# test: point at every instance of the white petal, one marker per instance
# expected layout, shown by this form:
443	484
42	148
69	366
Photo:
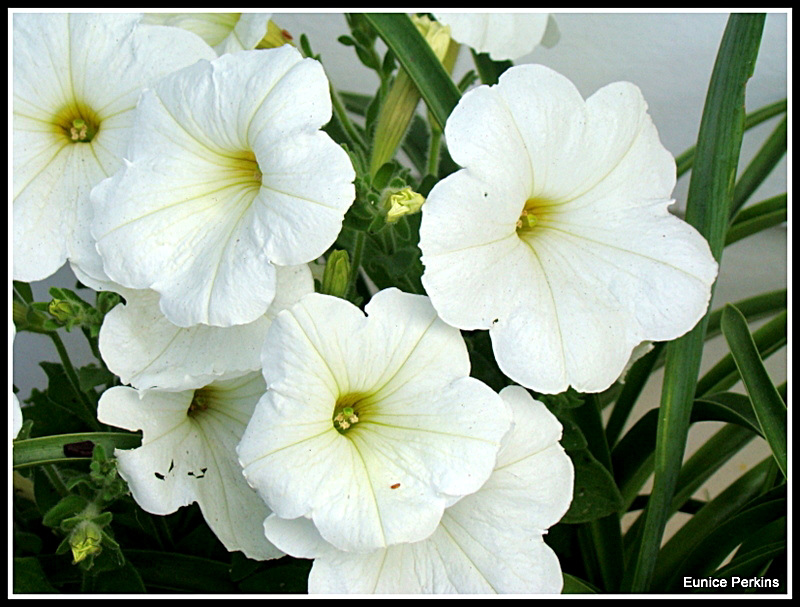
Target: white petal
185	459
145	350
604	268
226	32
16	416
489	542
62	61
502	35
228	175
425	432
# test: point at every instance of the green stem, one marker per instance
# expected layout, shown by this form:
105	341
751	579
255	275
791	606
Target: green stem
51	472
341	115
433	155
72	377
355	264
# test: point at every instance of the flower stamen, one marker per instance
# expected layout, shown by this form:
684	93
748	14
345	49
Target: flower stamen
526	221
200	402
345	414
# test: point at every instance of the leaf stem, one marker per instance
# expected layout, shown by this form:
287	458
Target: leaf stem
72	377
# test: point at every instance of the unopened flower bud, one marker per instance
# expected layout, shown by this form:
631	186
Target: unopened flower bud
85	540
62	310
403	202
336	279
403	97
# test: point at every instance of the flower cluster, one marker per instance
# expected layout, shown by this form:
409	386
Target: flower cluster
180	162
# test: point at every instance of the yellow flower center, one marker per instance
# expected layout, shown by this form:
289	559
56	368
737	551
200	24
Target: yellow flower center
349	410
533	213
244	167
77	122
201	399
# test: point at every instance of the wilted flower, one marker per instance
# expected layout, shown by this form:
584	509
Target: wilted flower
556	235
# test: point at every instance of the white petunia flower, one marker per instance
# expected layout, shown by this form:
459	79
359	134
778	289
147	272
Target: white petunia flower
228	175
144	349
16	415
77	78
488	542
188	454
225	32
556	235
371	426
502	35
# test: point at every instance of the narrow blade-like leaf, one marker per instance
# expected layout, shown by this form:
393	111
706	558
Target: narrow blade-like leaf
767	403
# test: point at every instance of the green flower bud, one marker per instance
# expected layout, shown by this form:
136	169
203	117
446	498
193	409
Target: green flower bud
85	541
336	279
403	97
403	202
62	310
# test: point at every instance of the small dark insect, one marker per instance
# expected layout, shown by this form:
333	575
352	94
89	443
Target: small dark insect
81	449
159	476
395	486
171	466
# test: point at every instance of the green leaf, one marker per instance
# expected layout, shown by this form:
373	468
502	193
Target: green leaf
633	455
750	564
709	458
574	585
718	544
753	308
418	60
51	449
285	576
67	508
708	209
769	534
684	161
59	408
767	403
29	577
727	407
181	573
635	380
242	567
768	339
757	217
91	375
490	71
595	494
23	291
483	364
720	509
760	167
122	580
